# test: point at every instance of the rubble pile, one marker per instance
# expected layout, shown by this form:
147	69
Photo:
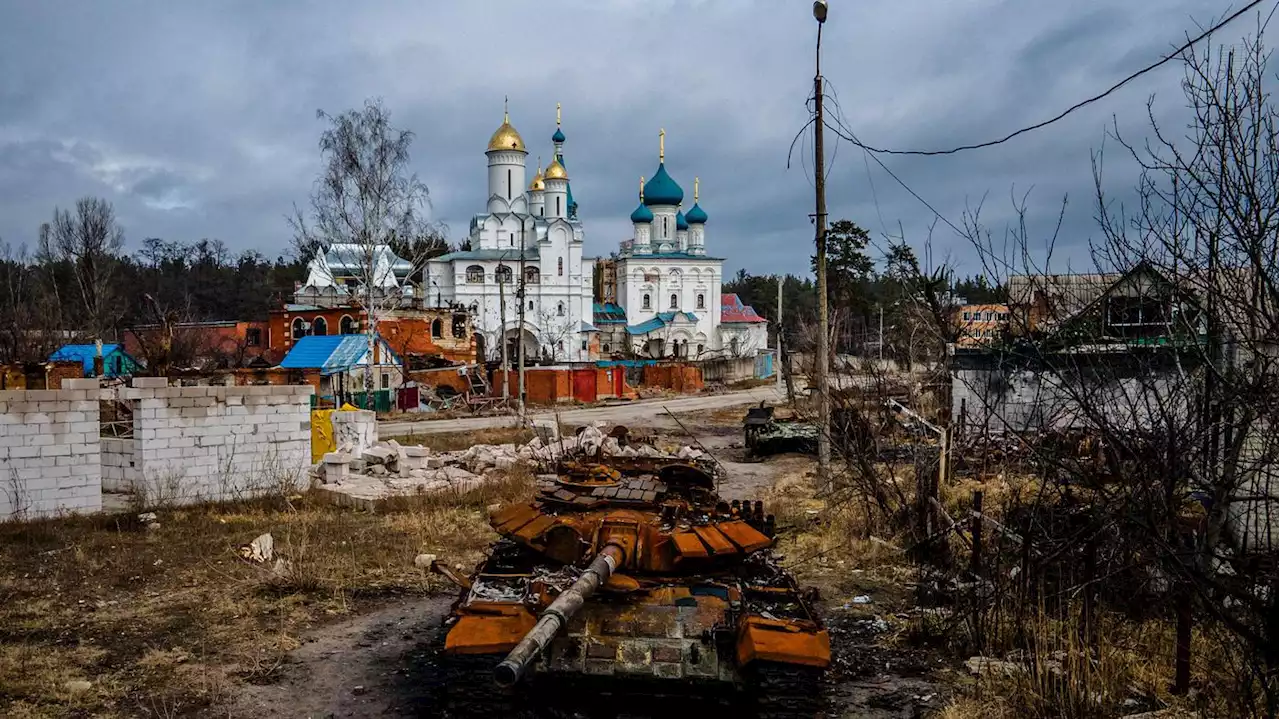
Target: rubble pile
389	469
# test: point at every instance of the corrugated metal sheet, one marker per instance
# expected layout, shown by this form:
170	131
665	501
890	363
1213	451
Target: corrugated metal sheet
84	354
330	353
732	310
661	320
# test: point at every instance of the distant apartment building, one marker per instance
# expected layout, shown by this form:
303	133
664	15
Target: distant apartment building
980	325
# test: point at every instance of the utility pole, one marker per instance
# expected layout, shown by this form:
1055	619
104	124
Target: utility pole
520	294
820	240
880	344
778	369
502	334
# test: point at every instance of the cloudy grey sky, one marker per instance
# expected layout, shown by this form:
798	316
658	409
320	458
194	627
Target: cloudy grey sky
198	119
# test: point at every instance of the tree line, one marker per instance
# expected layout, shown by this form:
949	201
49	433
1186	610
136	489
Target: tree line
871	293
77	284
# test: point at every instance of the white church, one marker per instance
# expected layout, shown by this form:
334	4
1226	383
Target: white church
666	285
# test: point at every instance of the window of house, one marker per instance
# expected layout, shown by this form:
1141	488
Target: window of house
347	325
320	327
699	349
299	328
437	328
503	275
475	275
966	316
386	380
644	301
560	266
584	345
702	301
606	347
253	337
560	309
675	301
1137	316
459	326
559	345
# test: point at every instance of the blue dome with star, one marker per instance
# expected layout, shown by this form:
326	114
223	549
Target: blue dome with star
696	216
641	214
662	190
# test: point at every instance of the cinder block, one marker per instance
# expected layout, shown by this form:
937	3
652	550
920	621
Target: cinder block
194	391
85	427
55	450
81	383
41	395
149	382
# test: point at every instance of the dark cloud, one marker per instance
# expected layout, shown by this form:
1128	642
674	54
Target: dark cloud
198	120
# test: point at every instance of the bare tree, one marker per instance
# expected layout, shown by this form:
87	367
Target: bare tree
555	327
89	241
366	202
1181	408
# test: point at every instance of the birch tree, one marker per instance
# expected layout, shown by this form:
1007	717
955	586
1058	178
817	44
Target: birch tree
366	201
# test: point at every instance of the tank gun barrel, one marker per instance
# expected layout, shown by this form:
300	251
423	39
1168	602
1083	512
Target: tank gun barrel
556	615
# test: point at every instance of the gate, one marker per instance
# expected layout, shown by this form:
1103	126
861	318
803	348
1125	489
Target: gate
584	385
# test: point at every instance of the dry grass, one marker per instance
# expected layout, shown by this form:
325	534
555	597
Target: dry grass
451	441
162	622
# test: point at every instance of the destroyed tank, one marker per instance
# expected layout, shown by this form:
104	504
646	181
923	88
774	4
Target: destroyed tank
626	585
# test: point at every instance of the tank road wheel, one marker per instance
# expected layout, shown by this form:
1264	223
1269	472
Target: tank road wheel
468	688
787	691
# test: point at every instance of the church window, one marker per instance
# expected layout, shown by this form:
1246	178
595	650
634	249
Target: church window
437	328
299	329
475	275
508	184
644	301
530	304
320	327
557	207
531	275
503	275
560	266
346	325
560	309
664	227
459	326
702	301
606	347
675	301
584	345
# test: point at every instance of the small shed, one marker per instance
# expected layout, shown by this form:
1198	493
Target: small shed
342	360
115	362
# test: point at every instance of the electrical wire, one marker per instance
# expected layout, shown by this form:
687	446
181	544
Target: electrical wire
1172	56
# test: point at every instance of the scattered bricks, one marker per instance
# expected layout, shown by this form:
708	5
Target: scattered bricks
377	455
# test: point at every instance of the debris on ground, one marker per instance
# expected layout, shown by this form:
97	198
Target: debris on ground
389	469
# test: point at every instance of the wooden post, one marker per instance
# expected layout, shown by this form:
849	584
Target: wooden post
975	559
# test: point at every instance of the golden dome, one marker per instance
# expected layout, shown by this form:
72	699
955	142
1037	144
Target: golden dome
555	171
506	138
537	185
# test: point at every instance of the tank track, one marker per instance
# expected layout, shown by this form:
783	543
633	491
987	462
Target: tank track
786	691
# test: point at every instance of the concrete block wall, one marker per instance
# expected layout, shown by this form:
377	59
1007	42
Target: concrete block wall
218	443
119	471
50	461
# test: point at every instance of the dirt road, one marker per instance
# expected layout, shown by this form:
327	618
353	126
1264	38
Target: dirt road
629	413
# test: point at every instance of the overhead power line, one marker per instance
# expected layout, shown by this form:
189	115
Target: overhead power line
1172	56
